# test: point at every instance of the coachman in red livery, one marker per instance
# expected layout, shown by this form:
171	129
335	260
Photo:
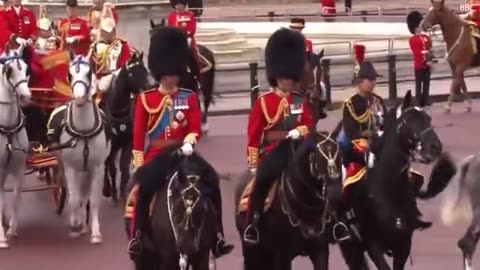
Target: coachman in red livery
420	45
21	21
163	118
74	30
298	24
6	34
275	115
185	20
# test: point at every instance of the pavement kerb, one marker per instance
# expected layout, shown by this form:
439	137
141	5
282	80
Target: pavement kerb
337	104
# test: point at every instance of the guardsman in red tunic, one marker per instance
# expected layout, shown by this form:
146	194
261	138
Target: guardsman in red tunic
74	30
163	117
275	115
420	45
22	22
298	24
185	20
328	7
108	54
96	13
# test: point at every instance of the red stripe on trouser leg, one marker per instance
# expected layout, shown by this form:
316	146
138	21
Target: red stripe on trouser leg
134	211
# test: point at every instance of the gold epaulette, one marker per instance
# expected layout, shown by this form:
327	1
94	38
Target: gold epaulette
363	118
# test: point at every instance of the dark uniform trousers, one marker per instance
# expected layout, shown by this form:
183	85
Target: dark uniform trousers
270	169
152	178
422	85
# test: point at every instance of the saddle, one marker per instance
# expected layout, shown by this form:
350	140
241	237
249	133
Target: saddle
243	203
58	119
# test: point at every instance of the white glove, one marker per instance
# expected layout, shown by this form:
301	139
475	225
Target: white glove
187	149
21	41
252	170
70	40
189	41
294	134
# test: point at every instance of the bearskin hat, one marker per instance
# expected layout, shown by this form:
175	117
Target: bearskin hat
285	55
168	53
175	2
414	19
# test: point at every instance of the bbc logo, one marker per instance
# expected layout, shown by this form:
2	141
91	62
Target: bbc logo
466	7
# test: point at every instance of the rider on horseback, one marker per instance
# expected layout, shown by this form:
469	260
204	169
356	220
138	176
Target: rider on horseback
275	115
362	129
167	115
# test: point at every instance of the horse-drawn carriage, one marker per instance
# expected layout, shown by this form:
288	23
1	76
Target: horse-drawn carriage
50	89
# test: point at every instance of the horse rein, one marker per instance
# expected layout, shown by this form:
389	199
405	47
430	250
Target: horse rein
332	170
77	63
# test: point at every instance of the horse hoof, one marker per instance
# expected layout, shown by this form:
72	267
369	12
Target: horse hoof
4	244
97	239
74	235
12	234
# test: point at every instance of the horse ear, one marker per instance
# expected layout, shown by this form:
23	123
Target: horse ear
140	57
152	24
162	23
407	100
320	55
72	55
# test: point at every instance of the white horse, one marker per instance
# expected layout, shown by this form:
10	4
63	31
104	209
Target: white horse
13	135
83	160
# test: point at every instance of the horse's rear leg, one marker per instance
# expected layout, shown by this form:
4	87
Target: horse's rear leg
466	95
125	158
320	257
468	244
400	255
376	254
353	254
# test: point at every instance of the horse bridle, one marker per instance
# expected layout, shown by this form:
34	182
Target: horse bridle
77	63
415	143
13	86
329	156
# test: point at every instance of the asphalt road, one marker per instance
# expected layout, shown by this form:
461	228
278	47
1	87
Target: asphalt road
44	245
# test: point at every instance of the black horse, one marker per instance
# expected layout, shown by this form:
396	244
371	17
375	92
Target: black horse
206	78
384	201
116	102
298	221
183	219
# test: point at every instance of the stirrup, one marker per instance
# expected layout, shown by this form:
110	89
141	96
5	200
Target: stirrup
342	227
135	247
251	241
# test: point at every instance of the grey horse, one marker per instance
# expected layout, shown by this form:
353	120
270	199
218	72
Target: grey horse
86	148
13	136
462	205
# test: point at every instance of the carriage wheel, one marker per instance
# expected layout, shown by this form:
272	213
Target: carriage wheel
60	196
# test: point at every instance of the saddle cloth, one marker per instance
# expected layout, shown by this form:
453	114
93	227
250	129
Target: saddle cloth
243	203
130	203
474	36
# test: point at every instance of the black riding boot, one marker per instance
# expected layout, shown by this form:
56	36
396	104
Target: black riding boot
136	245
321	113
221	247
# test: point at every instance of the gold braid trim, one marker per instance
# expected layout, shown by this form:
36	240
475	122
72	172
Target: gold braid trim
303	130
191	138
137	159
365	117
252	157
282	108
101	59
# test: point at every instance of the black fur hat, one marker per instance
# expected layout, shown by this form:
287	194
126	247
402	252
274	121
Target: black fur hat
168	53
285	55
414	19
174	2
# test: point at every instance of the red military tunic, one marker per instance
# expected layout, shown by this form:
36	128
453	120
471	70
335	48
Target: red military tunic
23	23
160	117
107	58
5	33
76	27
328	7
308	45
275	111
419	45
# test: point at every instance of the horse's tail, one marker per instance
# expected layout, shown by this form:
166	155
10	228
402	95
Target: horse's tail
456	207
442	174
